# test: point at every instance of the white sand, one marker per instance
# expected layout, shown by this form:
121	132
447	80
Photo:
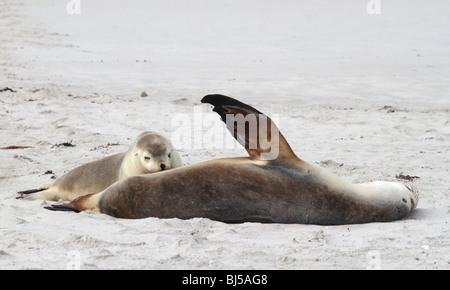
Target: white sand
329	70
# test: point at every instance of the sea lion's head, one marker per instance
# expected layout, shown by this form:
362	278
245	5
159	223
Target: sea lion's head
154	152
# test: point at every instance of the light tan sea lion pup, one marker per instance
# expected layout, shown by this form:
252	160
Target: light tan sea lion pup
149	153
272	185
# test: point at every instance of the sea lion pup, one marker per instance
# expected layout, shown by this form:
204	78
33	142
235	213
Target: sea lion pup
150	152
265	187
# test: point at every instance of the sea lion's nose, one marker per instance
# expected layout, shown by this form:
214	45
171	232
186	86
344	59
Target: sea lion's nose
163	166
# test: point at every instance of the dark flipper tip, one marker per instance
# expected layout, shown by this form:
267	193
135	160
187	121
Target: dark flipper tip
220	102
29	191
61	207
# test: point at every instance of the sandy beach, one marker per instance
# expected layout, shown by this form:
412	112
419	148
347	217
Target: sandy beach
361	92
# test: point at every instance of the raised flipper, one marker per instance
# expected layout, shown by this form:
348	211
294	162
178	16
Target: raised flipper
255	131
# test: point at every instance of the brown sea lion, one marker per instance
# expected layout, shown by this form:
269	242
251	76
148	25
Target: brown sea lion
272	185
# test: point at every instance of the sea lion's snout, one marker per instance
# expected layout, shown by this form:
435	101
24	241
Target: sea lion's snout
163	166
414	197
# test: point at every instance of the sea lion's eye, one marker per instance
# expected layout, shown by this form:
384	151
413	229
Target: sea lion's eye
147	158
168	155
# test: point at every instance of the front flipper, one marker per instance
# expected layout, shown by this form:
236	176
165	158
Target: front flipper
252	129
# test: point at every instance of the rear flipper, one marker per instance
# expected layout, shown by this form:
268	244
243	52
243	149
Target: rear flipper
39	194
61	207
22	192
87	202
31	191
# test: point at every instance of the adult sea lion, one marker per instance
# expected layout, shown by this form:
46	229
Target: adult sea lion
265	187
